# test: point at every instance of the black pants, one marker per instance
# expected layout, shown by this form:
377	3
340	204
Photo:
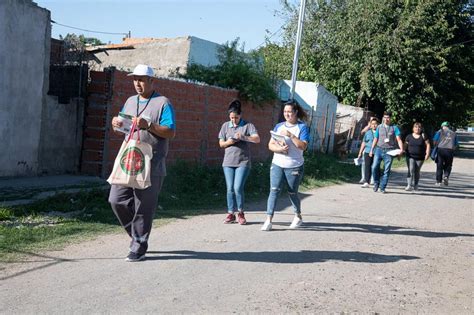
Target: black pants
444	163
414	171
135	209
368	167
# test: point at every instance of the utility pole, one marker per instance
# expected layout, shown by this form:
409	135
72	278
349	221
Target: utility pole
299	33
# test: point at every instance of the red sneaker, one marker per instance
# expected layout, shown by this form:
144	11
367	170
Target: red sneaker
230	218
241	218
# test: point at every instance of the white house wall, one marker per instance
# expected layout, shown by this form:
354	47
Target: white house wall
203	52
24	64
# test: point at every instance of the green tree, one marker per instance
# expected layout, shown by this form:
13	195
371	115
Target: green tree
236	70
412	57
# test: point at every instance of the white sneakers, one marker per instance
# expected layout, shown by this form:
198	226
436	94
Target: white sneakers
267	226
365	185
296	223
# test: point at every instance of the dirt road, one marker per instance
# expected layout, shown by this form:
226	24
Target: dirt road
357	252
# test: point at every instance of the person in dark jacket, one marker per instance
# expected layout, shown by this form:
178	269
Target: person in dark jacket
447	141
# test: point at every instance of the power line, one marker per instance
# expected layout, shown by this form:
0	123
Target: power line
90	31
465	42
271	35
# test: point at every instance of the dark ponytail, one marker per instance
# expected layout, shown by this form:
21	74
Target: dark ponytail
235	107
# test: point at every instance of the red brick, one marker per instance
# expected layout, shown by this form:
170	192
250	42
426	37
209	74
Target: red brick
93	144
96	87
95	121
98	76
94	133
91	168
92	156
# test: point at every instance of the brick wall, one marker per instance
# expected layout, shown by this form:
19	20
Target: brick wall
57	52
200	111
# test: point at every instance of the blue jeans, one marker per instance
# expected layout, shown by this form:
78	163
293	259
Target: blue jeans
235	178
293	177
379	155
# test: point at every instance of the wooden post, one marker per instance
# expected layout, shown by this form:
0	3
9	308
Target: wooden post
329	138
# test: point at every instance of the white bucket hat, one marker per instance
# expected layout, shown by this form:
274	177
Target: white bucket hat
142	70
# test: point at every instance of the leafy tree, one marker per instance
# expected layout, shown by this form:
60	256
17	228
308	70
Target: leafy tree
412	57
236	70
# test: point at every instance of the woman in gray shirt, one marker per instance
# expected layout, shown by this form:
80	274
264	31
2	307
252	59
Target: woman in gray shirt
234	137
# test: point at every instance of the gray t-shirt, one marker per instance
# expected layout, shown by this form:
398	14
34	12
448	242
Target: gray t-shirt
238	154
152	112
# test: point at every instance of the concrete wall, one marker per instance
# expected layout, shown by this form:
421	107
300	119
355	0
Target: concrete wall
24	63
164	55
203	52
349	123
61	136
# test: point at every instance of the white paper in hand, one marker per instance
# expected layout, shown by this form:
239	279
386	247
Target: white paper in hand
278	137
126	123
394	152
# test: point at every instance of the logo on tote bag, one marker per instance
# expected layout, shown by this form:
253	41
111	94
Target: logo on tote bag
132	161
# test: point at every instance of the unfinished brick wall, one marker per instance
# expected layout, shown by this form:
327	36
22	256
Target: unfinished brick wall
200	111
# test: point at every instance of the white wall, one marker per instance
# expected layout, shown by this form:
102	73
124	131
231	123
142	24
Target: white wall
24	62
203	52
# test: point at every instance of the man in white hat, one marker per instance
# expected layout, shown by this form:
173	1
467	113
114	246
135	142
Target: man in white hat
154	116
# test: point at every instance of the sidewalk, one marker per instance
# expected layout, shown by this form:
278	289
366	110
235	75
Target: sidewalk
24	190
357	252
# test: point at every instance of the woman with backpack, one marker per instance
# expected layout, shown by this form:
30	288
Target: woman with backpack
446	141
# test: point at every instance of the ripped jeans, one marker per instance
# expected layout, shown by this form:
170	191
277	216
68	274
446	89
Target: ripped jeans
293	177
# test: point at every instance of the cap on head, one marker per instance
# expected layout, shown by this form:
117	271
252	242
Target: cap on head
445	124
142	70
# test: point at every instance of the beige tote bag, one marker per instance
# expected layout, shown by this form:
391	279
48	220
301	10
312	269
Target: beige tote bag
132	166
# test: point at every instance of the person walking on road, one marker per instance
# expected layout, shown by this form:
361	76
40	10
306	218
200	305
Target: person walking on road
235	136
386	138
362	166
288	143
364	151
154	116
417	148
447	141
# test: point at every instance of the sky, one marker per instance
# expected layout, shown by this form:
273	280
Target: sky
214	20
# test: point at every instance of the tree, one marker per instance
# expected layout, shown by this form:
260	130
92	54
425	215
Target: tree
411	57
235	70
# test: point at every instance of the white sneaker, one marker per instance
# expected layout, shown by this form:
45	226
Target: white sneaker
408	188
296	223
267	226
365	185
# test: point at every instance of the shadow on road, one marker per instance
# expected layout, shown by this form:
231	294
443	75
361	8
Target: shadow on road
378	229
281	257
48	261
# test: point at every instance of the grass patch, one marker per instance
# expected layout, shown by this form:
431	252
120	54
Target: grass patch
188	190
